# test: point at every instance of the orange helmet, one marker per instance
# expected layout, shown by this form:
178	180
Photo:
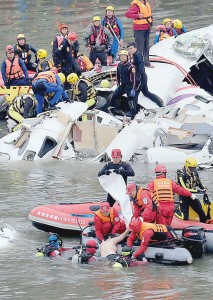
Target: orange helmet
9	49
131	187
54	70
135	224
62	25
72	36
160	169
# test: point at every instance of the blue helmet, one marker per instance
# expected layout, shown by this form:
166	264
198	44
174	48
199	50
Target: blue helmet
53	240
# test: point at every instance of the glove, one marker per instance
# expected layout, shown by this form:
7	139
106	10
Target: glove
116	171
107	172
193	197
206	199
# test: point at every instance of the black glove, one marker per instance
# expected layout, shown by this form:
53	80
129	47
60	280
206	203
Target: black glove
206	199
117	171
107	172
140	257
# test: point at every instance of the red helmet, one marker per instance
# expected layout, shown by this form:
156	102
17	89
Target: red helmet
54	70
135	224
9	49
131	187
91	246
160	169
161	28
72	36
62	25
105	207
116	153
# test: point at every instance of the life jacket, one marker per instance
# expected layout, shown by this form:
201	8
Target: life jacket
59	39
91	92
113	23
49	76
25	53
157	228
146	10
170	32
163	190
47	63
105	219
85	63
98	36
19	103
139	202
163	36
179	31
13	69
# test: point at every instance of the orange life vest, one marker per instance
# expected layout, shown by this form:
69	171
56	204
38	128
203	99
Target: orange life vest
48	75
59	39
164	36
105	219
14	72
139	200
157	228
146	10
163	190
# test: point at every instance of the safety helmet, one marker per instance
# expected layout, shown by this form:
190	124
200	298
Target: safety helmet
91	247
161	28
72	78
177	24
62	77
123	52
96	18
72	36
166	20
105	207
53	240
21	36
160	169
54	70
110	7
116	153
62	25
42	53
130	188
191	163
135	224
9	49
105	83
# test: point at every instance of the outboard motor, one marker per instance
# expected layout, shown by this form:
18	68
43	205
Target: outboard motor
194	240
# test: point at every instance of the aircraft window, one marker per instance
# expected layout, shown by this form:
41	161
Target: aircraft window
47	145
202	99
23	146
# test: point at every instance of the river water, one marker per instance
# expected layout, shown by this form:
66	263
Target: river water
24	185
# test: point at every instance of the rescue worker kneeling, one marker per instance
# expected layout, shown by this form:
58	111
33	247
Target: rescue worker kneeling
44	64
83	89
22	107
107	221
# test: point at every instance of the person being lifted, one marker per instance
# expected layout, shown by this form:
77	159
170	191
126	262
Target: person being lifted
22	49
99	39
44	64
114	24
189	179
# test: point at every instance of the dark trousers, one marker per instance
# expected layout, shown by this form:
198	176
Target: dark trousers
195	205
76	67
142	40
110	200
101	55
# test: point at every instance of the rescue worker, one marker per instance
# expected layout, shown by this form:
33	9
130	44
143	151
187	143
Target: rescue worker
13	69
126	85
169	29
44	64
22	49
140	75
83	89
107	222
163	190
178	26
160	34
189	179
118	167
47	83
144	205
63	29
76	68
99	39
114	24
88	254
141	13
22	107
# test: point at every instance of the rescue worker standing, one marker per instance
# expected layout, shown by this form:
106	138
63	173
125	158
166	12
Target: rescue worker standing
22	49
118	167
141	13
163	190
144	204
76	68
189	179
63	29
140	74
126	84
13	69
111	22
99	39
107	221
83	89
44	64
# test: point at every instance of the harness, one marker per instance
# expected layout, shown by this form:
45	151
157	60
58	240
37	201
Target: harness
19	103
98	36
45	65
91	92
112	24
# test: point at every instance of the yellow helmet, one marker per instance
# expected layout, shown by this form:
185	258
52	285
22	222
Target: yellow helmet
191	163
166	20
62	77
42	53
110	8
96	18
72	78
105	83
20	36
124	52
177	24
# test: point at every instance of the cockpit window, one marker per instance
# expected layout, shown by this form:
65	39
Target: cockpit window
47	145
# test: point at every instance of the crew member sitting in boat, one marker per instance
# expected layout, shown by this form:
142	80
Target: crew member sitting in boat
160	34
63	29
163	190
107	222
189	179
126	85
22	107
116	166
178	26
114	24
83	89
98	39
22	49
13	69
144	204
169	29
44	64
